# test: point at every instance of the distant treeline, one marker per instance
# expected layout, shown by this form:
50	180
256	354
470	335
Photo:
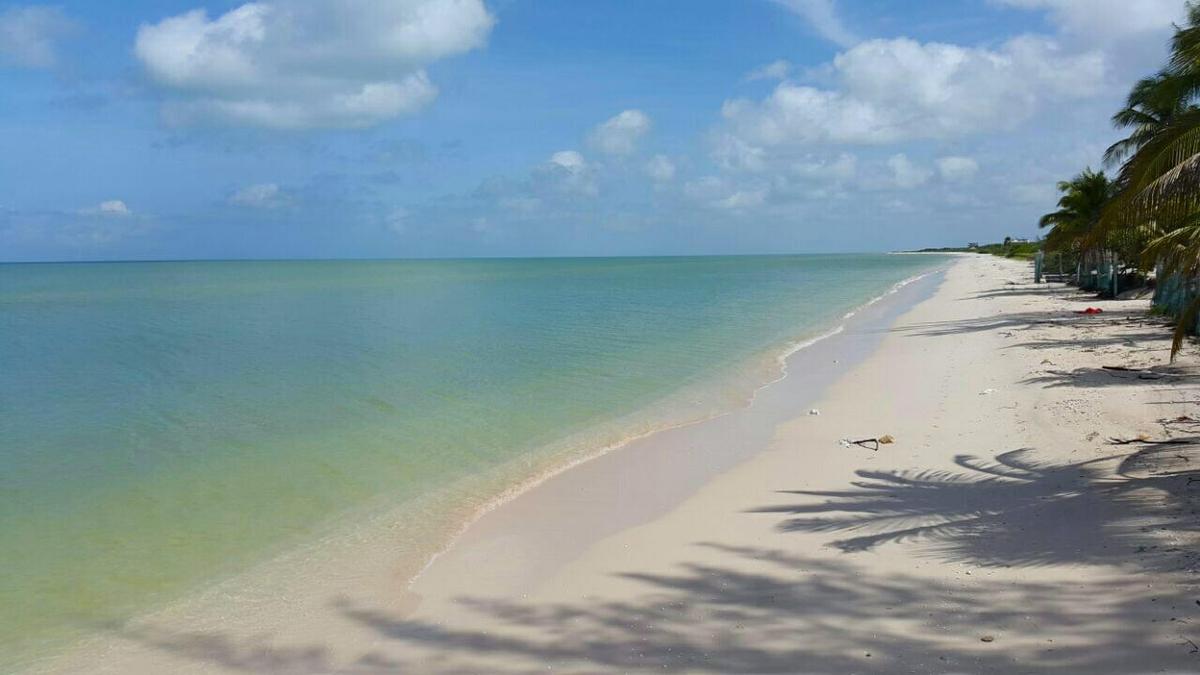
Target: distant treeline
1024	250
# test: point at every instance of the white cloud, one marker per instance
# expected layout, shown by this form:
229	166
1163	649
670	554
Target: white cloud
294	64
569	160
743	199
732	153
1043	193
1101	20
261	196
568	171
957	169
660	168
68	234
842	168
704	187
895	90
29	35
776	70
907	175
113	208
620	134
719	193
822	15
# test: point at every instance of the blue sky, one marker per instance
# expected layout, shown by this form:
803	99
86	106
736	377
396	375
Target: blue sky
414	128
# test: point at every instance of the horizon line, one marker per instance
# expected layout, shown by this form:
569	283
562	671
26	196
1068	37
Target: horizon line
101	261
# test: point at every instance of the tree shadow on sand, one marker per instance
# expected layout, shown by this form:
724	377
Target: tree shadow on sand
760	610
1018	511
766	610
1020	321
1095	378
1037	291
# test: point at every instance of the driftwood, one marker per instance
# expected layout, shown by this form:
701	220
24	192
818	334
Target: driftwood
873	443
1141	373
1146	441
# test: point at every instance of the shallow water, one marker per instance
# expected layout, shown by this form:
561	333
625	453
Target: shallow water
164	425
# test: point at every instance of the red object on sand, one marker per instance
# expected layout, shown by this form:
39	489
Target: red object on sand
1090	310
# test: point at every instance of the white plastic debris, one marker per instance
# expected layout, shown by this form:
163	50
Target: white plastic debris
987	392
814	412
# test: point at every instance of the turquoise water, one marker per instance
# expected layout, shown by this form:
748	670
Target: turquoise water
165	425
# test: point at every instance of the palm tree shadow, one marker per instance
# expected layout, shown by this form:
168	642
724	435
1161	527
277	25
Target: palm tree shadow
1017	511
749	610
1095	378
768	610
1017	321
771	611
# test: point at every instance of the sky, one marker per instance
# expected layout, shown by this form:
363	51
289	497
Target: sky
184	129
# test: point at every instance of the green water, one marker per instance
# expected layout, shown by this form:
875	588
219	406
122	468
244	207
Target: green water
164	425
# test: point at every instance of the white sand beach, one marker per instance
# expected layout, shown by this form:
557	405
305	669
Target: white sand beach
1003	531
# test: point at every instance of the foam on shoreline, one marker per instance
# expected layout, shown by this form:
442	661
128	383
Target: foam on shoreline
378	523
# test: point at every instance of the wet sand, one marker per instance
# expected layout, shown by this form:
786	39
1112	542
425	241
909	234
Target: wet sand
1003	531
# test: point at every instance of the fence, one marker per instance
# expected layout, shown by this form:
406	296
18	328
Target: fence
1173	294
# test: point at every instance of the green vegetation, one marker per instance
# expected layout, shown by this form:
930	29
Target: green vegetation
1149	214
1023	250
1083	200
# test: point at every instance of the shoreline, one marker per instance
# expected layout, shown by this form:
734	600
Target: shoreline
999	533
783	358
1049	567
207	605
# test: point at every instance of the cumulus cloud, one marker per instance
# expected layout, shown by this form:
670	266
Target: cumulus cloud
620	134
732	153
569	160
260	196
895	90
295	64
775	70
722	194
743	199
660	169
823	16
957	169
905	174
30	35
1101	20
58	235
842	168
1043	193
568	171
113	208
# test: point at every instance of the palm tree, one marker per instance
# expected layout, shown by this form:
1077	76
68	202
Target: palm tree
1158	201
1152	104
1079	209
1160	181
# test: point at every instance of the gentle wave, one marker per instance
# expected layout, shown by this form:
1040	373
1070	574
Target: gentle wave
149	406
782	358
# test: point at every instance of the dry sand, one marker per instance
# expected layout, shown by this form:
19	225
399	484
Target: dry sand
1003	531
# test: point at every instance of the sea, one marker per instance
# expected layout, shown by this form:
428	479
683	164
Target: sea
166	426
